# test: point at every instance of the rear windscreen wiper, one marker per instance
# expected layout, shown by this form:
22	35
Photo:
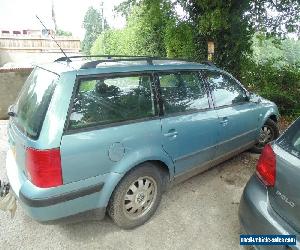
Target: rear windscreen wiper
11	112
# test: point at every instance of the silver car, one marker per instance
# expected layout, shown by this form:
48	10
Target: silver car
271	199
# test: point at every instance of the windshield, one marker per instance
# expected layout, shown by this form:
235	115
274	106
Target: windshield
33	101
290	140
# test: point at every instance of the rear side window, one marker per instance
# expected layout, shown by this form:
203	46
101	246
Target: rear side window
101	101
225	89
290	140
183	91
33	101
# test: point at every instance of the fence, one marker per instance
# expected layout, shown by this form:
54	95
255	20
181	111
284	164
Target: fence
26	43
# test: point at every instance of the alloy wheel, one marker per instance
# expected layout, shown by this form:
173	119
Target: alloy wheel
140	197
266	136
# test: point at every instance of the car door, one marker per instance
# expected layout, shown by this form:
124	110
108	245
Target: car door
109	116
238	117
189	124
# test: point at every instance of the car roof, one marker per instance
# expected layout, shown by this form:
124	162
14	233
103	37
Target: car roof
86	65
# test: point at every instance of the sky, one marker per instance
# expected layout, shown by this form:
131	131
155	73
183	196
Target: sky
20	14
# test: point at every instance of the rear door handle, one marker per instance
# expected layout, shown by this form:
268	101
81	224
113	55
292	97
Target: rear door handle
224	121
171	133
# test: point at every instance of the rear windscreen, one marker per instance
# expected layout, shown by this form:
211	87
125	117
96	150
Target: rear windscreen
290	140
33	101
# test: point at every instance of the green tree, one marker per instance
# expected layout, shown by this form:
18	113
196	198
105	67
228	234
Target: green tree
154	28
111	42
145	31
147	25
180	40
125	7
224	23
281	52
231	24
276	18
60	32
92	24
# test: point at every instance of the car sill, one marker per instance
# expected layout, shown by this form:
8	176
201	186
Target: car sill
207	165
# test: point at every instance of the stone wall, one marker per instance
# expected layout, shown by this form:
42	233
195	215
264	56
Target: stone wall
24	59
27	58
11	82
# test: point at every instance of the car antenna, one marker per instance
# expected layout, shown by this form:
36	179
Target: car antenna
68	59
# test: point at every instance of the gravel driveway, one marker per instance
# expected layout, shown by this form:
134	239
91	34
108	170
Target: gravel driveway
200	213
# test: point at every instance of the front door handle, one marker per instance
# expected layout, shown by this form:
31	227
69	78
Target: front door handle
171	133
224	121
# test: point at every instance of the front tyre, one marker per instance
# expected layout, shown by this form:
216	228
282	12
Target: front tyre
269	132
137	196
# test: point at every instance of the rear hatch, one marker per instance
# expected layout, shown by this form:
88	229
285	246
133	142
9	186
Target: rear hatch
285	196
29	112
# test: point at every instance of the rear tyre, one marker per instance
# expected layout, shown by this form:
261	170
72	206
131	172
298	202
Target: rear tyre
269	132
137	196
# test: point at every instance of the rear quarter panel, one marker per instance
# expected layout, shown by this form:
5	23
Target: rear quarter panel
284	197
114	149
53	127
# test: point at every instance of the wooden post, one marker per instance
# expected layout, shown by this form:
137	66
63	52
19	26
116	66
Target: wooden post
210	50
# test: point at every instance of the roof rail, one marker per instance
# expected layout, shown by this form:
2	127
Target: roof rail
210	63
93	64
120	58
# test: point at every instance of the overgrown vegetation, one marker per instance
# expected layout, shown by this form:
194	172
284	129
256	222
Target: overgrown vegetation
273	71
281	85
93	26
144	33
250	39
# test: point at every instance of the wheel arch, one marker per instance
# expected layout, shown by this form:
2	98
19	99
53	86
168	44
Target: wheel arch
132	161
270	114
274	118
154	155
166	170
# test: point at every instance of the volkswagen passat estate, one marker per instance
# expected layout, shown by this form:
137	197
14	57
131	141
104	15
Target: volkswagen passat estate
270	201
110	133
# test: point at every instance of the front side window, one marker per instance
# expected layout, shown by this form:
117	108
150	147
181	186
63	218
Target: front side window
225	89
183	91
101	101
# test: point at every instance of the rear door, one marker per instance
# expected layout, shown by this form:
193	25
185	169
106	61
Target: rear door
112	118
238	118
285	196
189	124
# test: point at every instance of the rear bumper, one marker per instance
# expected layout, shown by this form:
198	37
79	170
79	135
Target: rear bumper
56	199
257	216
54	204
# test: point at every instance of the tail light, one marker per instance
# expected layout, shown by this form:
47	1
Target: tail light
44	167
266	166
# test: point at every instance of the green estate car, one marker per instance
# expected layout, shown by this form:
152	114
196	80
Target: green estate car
111	133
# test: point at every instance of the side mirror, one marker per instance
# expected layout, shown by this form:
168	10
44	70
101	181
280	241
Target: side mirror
253	98
258	100
248	96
